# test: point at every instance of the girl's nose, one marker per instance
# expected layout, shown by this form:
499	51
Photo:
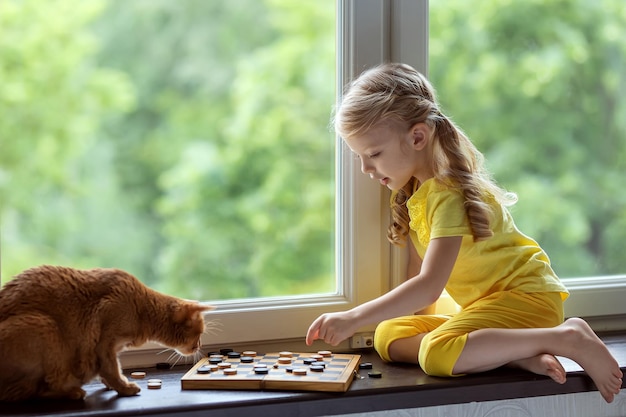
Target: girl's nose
365	167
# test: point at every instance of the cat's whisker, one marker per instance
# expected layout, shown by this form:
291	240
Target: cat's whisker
212	324
178	358
163	351
210	332
212	327
173	355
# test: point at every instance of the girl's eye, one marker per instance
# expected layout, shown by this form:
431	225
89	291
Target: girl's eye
374	155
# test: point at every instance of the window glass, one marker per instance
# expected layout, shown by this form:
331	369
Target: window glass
540	87
184	141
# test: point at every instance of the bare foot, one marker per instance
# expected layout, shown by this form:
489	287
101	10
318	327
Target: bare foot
544	364
592	355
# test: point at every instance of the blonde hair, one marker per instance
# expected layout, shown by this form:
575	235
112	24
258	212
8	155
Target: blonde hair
399	94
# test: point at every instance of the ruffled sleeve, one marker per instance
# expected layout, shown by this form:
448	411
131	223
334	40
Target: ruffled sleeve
417	214
437	211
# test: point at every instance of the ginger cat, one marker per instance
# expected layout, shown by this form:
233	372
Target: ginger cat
62	327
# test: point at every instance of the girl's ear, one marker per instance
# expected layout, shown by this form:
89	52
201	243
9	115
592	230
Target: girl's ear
420	135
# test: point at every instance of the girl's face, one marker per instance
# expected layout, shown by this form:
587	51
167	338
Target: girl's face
393	156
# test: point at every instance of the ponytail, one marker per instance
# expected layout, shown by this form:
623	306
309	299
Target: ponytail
459	162
399	93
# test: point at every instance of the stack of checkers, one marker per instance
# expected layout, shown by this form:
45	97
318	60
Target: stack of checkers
321	371
153	383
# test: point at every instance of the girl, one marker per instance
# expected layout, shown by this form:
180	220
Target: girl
463	239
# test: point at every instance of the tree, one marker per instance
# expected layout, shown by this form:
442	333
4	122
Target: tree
261	193
53	100
539	86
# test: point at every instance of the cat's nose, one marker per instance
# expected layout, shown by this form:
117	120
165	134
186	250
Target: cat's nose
196	347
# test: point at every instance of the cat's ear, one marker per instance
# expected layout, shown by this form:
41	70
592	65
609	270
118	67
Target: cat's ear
186	310
197	307
202	308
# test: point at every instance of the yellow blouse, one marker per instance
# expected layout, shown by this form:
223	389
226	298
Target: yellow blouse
509	260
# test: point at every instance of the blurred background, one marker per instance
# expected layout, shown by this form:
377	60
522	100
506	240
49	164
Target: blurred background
188	141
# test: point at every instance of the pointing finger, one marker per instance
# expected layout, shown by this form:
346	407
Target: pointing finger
313	333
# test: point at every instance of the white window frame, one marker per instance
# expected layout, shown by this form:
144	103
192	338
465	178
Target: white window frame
362	267
366	30
371	32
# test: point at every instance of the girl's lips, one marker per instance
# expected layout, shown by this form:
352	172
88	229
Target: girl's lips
383	181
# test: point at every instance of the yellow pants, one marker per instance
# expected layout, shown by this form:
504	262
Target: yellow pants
446	335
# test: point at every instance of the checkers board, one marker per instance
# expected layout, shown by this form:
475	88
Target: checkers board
282	374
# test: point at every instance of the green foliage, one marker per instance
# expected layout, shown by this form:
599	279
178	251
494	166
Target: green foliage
187	141
53	101
206	169
540	86
269	176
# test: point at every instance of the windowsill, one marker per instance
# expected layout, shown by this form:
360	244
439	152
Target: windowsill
402	386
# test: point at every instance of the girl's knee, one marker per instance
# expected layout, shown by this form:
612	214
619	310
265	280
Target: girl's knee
385	334
389	331
439	354
432	362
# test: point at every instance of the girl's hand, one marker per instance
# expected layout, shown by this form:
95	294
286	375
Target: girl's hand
332	328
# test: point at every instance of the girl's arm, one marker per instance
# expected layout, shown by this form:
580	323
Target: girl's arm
413	269
414	263
415	294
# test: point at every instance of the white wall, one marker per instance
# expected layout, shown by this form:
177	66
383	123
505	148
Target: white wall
587	404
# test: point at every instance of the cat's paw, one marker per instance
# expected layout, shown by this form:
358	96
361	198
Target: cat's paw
106	384
129	390
76	393
73	393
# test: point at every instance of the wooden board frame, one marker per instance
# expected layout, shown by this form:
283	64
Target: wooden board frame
336	377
